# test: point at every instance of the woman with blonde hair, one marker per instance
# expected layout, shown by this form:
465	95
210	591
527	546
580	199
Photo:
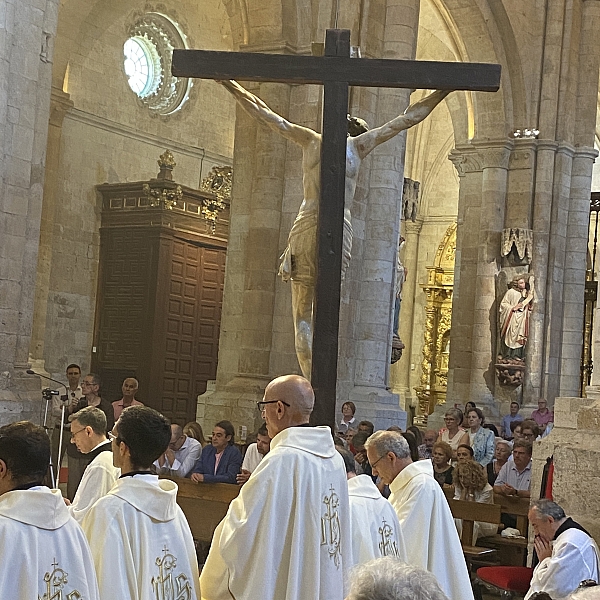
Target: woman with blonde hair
442	469
194	430
453	433
470	484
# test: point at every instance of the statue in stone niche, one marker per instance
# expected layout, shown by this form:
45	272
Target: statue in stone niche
298	262
515	308
401	273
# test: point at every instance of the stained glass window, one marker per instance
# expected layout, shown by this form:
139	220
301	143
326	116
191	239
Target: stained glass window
139	66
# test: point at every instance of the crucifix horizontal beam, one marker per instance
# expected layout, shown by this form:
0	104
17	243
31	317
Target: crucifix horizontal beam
365	72
336	71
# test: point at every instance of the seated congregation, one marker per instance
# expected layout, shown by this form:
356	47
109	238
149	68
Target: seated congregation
360	514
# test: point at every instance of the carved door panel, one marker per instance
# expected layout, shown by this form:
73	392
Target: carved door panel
193	311
209	317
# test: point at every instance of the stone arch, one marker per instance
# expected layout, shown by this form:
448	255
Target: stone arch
483	33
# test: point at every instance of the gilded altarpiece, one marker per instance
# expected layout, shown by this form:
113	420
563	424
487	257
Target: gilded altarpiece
436	349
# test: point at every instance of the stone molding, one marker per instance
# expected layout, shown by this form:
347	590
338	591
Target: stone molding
80	116
60	105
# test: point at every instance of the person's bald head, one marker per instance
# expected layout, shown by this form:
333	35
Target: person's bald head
289	401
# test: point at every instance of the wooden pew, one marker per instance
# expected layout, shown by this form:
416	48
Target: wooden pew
204	505
510	551
469	512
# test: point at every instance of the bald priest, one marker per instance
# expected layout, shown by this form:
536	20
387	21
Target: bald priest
286	536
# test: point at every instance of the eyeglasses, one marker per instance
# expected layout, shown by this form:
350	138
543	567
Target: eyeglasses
375	463
261	405
74	433
115	438
87	383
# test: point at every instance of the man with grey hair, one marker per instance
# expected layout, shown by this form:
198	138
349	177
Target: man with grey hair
423	512
566	551
287	533
88	428
587	592
181	456
389	578
374	527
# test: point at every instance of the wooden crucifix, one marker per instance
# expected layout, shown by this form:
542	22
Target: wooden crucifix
336	71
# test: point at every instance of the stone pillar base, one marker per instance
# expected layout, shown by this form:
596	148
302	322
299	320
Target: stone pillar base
378	405
236	402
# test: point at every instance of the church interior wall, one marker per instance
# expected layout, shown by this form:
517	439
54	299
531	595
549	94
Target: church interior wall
109	136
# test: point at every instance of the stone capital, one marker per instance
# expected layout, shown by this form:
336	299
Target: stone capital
477	156
60	104
585	152
412	227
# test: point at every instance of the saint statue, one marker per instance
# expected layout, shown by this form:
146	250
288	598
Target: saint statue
298	262
515	308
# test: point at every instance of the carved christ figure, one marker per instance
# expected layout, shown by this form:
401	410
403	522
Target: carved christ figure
298	262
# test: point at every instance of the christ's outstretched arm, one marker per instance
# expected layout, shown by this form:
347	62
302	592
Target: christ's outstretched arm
415	113
257	109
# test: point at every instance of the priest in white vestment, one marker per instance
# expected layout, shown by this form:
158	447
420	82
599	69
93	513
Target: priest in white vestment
286	536
141	543
425	519
568	555
88	429
375	530
44	552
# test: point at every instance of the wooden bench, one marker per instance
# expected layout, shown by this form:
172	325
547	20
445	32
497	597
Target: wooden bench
469	512
510	551
204	505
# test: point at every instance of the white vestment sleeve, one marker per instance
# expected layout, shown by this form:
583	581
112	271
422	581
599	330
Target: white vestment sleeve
95	483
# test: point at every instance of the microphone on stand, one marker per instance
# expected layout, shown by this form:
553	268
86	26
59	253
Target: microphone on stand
32	372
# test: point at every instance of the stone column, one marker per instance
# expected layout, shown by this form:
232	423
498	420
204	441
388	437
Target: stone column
252	259
372	347
60	103
483	172
27	32
401	371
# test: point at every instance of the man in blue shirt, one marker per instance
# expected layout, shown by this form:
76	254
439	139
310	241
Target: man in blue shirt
508	419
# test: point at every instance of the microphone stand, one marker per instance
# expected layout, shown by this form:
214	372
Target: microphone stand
47	395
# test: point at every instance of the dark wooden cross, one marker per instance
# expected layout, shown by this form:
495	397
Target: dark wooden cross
336	71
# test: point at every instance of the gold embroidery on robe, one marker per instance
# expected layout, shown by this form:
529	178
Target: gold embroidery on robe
55	581
387	545
330	527
167	585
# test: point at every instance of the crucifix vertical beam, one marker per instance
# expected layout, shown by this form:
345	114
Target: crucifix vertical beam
326	309
336	71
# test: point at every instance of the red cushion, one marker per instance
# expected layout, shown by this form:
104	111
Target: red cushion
512	579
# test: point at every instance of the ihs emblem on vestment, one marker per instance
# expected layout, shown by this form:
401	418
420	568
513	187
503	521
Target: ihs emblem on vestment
168	586
55	581
330	527
387	544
